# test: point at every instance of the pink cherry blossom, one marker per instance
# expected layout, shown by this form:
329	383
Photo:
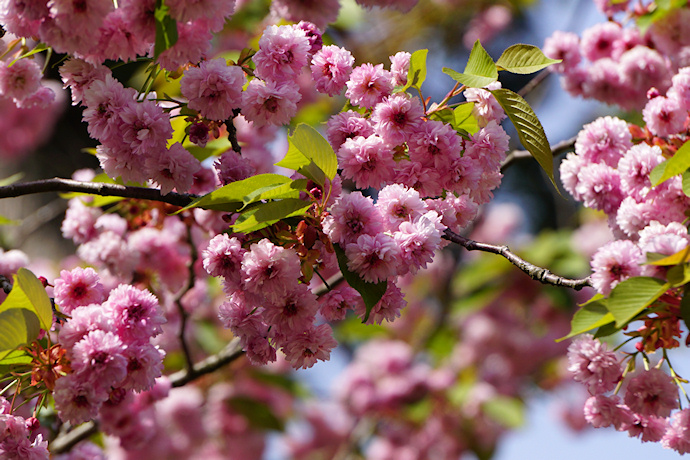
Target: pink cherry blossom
651	392
331	67
214	88
593	365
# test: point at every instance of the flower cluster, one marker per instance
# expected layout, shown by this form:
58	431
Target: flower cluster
17	437
645	410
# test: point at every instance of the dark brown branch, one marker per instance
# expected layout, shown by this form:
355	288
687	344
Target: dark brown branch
536	273
68	185
64	442
556	149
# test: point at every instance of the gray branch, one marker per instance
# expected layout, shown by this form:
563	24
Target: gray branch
536	273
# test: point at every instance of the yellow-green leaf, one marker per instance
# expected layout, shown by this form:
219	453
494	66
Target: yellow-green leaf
630	297
529	128
266	214
677	164
417	71
591	316
479	71
17	327
29	294
524	59
310	154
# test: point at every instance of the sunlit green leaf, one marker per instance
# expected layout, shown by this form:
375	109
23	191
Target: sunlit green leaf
529	128
679	257
463	118
677	164
371	292
10	357
479	71
29	294
310	154
17	327
231	197
524	59
40	47
632	296
277	191
266	214
591	316
166	29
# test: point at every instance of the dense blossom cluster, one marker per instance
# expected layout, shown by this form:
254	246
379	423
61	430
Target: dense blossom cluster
648	408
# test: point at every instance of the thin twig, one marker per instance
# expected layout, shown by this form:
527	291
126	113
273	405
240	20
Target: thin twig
57	184
556	149
537	273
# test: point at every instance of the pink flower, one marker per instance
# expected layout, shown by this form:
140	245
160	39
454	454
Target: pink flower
135	313
78	75
664	239
418	240
231	167
397	117
184	10
605	140
268	269
83	320
642	68
20	80
105	100
398	204
564	46
238	315
283	51
98	357
597	41
635	167
400	67
77	401
603	81
435	143
602	411
305	348
368	85
145	128
665	116
173	169
270	103
214	88
388	308
335	303
347	125
193	42
144	366
592	364
223	257
292	312
647	428
570	168
353	215
678	435
652	392
488	146
615	262
599	186
118	41
486	107
76	288
331	67
368	161
375	258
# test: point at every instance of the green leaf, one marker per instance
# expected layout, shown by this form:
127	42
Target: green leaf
678	275
310	154
507	411
686	183
29	294
463	118
5	221
529	128
258	413
277	191
266	214
679	257
10	357
11	179
677	164
417	72
591	316
524	59
632	296
36	49
479	71
17	327
231	197
166	29
212	149
371	292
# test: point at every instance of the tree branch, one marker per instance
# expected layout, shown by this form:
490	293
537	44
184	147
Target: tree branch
536	273
556	149
95	188
233	350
